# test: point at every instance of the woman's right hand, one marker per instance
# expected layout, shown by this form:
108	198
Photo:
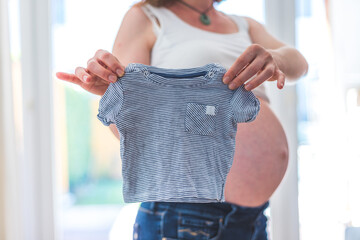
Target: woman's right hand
102	69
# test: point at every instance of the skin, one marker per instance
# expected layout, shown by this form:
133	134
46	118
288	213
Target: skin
261	152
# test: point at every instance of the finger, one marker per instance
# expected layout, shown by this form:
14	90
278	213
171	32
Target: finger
95	68
252	69
111	62
82	74
280	79
241	62
68	77
261	77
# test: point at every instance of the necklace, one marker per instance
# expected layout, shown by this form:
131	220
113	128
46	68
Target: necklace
204	18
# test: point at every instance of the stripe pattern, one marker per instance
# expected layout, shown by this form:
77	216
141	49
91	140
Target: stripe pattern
199	119
177	130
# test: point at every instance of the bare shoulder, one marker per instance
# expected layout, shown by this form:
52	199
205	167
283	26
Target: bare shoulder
259	34
136	25
254	25
136	21
135	37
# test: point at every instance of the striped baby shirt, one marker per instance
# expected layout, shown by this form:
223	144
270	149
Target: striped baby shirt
177	130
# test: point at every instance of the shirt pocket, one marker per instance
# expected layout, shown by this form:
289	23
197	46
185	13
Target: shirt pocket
201	118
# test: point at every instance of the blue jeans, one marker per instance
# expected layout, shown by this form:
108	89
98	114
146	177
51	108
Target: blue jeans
220	221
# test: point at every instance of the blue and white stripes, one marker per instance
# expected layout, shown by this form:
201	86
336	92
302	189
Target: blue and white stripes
177	129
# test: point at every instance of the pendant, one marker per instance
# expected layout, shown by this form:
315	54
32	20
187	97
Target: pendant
205	19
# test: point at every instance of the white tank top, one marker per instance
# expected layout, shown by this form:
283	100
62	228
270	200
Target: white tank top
181	45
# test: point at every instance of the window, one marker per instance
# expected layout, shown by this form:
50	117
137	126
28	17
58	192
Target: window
87	154
328	120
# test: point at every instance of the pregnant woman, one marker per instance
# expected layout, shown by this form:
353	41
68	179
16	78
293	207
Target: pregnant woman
192	33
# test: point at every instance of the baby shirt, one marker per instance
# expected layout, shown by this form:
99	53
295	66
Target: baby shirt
177	130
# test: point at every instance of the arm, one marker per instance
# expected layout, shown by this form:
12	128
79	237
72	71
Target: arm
133	42
289	60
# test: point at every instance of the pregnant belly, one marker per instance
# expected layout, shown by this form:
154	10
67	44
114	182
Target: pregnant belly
260	160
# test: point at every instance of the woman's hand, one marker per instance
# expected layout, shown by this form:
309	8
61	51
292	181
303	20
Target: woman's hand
256	62
102	69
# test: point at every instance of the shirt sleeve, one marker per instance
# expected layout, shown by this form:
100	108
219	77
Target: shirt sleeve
245	106
111	103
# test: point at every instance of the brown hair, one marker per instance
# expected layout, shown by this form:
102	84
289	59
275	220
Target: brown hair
160	3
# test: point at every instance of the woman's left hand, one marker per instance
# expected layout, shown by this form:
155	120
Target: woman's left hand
256	62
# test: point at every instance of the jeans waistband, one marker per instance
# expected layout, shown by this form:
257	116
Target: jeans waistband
220	208
196	75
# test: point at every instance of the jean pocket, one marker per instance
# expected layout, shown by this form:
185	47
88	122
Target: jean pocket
199	228
200	118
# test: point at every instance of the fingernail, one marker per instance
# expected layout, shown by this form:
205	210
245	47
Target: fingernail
119	72
232	86
248	87
85	78
226	80
112	78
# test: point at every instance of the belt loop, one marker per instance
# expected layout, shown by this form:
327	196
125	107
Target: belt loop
223	222
152	206
229	215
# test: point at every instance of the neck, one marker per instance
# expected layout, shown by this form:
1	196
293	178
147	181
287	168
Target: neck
198	4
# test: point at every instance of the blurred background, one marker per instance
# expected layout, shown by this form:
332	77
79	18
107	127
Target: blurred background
60	168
